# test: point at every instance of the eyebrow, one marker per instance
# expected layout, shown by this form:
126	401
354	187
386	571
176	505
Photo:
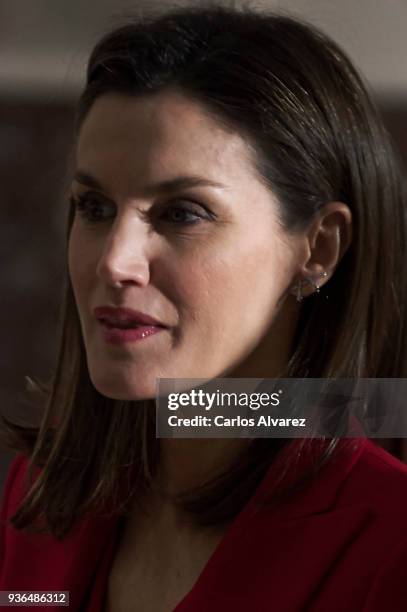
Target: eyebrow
176	184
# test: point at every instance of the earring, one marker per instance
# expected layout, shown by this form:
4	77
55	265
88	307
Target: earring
307	281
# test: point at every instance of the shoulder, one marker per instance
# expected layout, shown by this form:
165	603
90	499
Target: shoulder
13	493
359	519
377	488
378	480
376	456
67	564
14	487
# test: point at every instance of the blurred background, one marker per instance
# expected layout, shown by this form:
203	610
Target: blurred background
44	45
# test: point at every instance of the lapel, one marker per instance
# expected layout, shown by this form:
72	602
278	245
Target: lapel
284	550
281	554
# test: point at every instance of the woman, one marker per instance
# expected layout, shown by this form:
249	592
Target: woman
235	196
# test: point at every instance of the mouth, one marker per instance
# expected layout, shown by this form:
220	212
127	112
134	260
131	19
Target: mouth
125	318
123	325
110	324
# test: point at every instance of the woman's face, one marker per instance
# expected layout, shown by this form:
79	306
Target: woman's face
175	223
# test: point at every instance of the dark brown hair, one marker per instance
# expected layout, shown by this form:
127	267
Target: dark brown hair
318	138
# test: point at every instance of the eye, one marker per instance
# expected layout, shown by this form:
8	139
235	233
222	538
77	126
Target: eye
90	208
186	214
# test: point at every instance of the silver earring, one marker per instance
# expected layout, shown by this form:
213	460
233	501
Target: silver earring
307	281
313	283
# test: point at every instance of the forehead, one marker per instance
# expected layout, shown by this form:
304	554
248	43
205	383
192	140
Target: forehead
158	136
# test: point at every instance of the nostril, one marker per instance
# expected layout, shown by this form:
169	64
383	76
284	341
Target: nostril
118	269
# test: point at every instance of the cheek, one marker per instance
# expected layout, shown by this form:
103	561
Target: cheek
230	285
81	270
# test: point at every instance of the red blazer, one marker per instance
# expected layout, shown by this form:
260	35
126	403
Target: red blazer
338	546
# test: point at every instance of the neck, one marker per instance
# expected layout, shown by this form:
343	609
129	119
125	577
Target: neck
188	463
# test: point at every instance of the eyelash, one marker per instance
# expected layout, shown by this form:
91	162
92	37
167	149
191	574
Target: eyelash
80	204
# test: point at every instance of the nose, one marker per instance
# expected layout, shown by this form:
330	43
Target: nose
124	259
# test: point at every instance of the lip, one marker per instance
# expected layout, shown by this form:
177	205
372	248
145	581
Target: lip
109	316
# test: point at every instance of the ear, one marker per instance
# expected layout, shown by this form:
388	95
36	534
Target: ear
326	240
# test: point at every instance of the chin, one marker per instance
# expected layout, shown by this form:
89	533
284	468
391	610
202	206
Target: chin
122	390
128	395
124	394
120	381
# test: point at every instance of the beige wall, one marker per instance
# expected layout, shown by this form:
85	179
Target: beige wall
44	43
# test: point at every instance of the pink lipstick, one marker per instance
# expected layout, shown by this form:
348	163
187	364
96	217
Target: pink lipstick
121	325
